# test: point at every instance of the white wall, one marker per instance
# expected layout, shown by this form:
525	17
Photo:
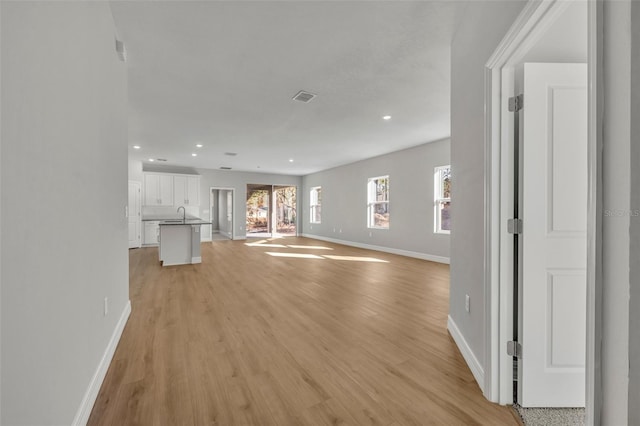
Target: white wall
64	191
634	305
483	27
615	223
135	171
344	201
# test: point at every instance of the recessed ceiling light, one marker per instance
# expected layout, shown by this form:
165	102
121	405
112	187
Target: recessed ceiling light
193	154
151	159
386	117
136	147
199	145
291	160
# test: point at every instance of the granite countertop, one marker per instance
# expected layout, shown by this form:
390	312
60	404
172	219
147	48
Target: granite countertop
160	218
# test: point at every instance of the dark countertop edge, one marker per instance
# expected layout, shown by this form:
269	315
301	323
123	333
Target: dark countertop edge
186	222
160	219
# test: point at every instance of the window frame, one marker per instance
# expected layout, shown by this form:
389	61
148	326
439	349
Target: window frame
439	198
315	204
372	201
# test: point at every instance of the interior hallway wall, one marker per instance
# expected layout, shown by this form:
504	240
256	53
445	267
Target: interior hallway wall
484	25
615	223
64	191
634	258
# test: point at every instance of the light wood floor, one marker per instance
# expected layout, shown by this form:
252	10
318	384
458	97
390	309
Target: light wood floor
246	338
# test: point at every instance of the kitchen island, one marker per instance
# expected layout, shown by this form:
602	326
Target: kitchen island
179	241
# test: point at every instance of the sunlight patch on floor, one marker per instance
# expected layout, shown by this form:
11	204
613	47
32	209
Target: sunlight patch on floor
298	255
355	258
310	247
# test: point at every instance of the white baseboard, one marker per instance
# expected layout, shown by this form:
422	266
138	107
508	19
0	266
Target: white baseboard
415	254
82	416
467	353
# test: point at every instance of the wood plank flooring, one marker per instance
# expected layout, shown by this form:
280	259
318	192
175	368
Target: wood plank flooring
248	338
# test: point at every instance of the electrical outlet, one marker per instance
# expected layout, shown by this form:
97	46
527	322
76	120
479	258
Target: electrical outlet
106	306
467	303
340	231
370	234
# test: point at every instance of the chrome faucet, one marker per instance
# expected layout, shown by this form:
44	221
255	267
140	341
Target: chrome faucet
184	214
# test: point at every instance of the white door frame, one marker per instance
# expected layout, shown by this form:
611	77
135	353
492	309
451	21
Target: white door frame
139	218
499	78
233	215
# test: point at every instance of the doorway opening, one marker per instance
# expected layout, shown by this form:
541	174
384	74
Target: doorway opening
515	187
221	214
271	210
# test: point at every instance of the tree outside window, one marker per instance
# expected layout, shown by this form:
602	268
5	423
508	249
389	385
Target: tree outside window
378	202
315	204
442	186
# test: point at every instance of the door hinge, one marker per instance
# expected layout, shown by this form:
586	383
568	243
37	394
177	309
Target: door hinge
514	349
516	103
514	226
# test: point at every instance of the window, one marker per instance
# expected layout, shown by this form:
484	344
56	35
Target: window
315	204
442	186
378	202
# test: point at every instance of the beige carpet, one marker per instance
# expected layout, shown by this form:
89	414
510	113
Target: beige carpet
551	416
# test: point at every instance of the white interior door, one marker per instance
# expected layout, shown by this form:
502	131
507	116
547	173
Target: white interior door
134	214
552	311
230	214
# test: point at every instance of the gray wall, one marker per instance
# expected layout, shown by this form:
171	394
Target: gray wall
634	305
615	223
64	192
344	201
135	171
483	27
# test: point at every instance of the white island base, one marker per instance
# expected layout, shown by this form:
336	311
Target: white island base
179	244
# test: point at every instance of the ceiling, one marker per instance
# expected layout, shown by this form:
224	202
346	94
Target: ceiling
223	74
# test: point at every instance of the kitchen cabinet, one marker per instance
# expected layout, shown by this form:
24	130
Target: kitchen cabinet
158	189
151	232
186	190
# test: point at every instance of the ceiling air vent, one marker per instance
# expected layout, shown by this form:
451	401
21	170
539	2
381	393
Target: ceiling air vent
161	159
303	96
225	168
231	154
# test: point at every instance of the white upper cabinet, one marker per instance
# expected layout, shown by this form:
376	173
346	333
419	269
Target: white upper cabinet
168	190
158	189
186	190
